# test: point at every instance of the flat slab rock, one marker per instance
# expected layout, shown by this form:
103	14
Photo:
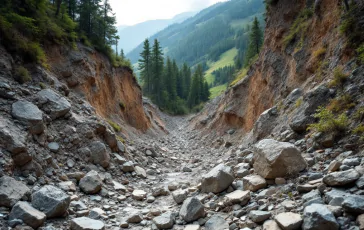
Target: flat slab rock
29	215
12	191
84	223
289	221
341	178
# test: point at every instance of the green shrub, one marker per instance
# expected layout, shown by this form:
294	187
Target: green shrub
120	139
328	122
298	28
114	125
341	103
319	53
42	85
299	102
36	53
321	69
360	52
22	75
339	78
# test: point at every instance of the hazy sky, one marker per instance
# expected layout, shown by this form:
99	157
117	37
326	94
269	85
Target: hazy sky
130	12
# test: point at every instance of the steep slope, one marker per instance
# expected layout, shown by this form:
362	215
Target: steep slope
132	36
212	28
302	50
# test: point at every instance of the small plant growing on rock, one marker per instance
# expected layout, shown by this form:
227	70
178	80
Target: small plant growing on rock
298	103
329	122
42	85
22	75
339	78
115	126
319	53
120	139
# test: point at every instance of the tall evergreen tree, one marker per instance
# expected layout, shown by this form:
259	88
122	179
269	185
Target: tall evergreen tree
145	67
255	42
157	70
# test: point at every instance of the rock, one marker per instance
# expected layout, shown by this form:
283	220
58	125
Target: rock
29	215
179	196
254	183
67	186
351	162
121	147
360	221
318	216
13	139
216	222
289	221
140	172
54	147
119	159
99	155
271	225
360	183
277	159
139	195
354	204
259	216
218	179
29	114
91	183
135	218
12	191
128	167
314	194
334	166
51	200
192	209
341	178
192	227
172	186
238	197
160	191
53	104
84	223
265	123
280	181
165	221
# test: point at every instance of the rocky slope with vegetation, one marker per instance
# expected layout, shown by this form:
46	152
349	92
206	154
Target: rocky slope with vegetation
74	156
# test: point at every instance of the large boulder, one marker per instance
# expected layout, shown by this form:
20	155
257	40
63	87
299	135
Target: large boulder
218	179
192	209
341	178
277	159
318	216
53	104
265	123
91	183
13	140
51	200
99	154
29	215
11	191
84	223
29	114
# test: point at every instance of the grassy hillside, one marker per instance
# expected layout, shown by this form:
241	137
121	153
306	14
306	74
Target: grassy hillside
216	91
226	59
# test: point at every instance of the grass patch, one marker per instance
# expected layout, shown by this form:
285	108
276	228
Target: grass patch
360	52
120	139
226	59
239	76
329	122
217	90
341	103
42	85
299	102
339	78
22	75
320	53
299	28
114	125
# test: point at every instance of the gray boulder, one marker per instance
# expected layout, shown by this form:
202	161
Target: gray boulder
354	204
179	196
29	114
51	200
341	178
99	154
13	140
29	215
164	221
91	183
216	222
265	123
218	179
259	216
277	159
317	217
53	104
84	223
192	209
12	191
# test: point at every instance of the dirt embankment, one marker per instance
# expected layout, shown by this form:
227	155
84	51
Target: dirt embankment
113	92
282	66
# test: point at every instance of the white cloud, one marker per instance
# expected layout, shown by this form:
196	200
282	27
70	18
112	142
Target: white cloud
130	12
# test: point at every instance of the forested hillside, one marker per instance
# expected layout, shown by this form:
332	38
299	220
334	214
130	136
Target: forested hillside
209	34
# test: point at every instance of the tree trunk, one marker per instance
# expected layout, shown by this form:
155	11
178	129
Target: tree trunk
58	5
346	3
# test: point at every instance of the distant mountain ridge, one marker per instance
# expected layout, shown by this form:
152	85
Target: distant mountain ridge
208	34
132	36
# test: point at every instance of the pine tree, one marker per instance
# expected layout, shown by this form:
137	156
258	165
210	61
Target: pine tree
122	55
145	67
186	74
255	42
156	70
